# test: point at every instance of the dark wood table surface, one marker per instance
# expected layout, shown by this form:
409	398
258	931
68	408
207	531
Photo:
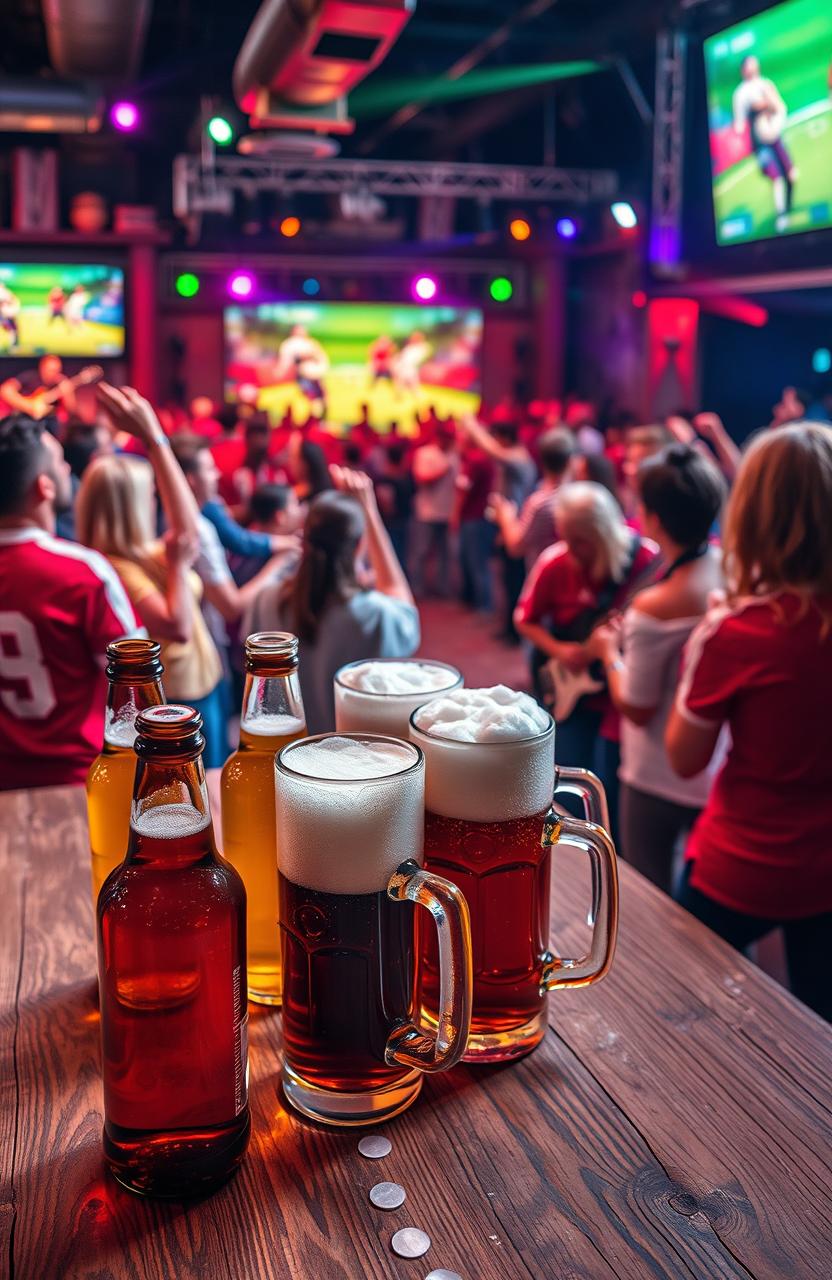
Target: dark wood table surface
675	1122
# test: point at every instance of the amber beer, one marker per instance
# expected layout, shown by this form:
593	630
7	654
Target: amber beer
172	979
489	829
272	716
350	812
135	675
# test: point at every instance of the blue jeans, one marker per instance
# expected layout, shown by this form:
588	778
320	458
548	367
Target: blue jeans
476	545
579	743
214	727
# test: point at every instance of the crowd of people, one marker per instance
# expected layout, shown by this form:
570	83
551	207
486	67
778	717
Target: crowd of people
673	595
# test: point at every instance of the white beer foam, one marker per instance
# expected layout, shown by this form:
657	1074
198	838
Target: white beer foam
276	725
169	821
397	677
120	730
489	754
353	817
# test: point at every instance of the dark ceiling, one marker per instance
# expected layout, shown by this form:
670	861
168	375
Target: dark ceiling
592	121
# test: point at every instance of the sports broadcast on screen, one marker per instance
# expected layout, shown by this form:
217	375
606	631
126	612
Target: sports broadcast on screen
331	359
770	118
62	308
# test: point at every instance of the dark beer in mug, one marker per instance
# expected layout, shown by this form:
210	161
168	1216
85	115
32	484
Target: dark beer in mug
489	829
349	823
172	979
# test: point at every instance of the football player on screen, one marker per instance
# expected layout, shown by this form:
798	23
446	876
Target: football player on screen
758	107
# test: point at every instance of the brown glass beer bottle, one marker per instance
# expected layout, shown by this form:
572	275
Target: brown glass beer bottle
135	675
172	978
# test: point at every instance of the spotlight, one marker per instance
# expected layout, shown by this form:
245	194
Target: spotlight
822	360
624	214
290	226
567	228
424	288
519	229
220	131
241	284
639	299
311	287
501	289
124	116
187	285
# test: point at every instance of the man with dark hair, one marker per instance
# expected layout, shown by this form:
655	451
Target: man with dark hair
530	532
60	606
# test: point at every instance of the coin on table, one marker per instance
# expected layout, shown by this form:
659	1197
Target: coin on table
410	1242
442	1274
374	1146
388	1195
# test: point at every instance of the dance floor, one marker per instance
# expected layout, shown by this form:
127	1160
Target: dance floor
466	640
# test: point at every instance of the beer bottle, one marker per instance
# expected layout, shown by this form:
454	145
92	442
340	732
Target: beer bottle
172	978
135	675
272	716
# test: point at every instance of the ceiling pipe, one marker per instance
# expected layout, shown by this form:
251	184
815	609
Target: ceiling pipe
99	40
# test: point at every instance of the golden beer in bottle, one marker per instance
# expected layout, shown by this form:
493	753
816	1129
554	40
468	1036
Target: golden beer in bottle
135	675
272	716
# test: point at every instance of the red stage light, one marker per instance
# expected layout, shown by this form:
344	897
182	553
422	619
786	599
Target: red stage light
639	298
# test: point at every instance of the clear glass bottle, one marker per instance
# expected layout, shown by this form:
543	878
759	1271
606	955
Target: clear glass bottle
272	716
135	675
172	979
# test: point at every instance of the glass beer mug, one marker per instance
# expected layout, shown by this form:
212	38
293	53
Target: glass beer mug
379	695
490	826
350	816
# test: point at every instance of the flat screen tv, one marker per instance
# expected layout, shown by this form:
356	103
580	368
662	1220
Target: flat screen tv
769	83
331	358
67	309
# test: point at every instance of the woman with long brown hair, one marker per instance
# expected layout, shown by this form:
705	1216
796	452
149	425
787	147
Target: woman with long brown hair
760	856
337	616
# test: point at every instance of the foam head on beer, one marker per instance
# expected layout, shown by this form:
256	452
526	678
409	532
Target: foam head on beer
378	696
350	810
489	754
397	677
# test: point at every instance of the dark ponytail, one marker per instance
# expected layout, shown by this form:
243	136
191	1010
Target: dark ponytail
326	574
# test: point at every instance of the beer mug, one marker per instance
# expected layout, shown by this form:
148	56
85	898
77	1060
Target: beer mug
350	822
490	825
379	695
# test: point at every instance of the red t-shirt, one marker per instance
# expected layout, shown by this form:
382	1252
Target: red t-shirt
558	590
60	606
763	844
478	471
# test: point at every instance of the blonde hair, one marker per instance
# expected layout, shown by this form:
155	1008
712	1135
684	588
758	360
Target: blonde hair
115	507
778	523
593	512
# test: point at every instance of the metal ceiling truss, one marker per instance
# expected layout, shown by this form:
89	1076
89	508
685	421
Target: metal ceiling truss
668	152
197	187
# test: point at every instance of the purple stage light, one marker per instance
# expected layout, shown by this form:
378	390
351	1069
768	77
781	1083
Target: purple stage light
124	116
241	284
425	288
567	228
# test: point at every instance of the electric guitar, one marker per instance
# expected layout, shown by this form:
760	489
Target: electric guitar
40	404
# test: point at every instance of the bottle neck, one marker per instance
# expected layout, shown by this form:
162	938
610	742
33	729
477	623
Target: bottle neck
170	819
272	711
124	702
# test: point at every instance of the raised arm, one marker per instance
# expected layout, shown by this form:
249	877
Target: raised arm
389	575
130	412
483	439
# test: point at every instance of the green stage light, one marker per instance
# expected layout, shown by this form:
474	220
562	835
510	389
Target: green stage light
501	289
187	285
386	96
220	131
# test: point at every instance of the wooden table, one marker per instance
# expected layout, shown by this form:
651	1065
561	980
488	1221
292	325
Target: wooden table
675	1122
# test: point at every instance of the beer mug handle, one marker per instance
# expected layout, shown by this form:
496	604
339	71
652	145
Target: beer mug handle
589	788
592	839
413	1046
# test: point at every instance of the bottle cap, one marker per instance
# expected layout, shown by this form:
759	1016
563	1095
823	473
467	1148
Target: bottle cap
271	652
171	731
133	661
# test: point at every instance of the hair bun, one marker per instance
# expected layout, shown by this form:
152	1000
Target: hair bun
679	455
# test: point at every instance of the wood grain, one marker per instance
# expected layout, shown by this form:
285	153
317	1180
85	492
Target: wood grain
675	1122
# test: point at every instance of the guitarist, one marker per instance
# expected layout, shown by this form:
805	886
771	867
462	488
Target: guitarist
594	570
41	391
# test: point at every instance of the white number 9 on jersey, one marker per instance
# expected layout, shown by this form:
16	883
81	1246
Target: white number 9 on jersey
26	667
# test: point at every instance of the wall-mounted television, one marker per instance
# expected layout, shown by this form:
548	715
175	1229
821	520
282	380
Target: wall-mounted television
769	87
331	358
62	308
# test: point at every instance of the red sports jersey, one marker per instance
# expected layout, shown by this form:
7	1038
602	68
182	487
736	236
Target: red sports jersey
60	606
